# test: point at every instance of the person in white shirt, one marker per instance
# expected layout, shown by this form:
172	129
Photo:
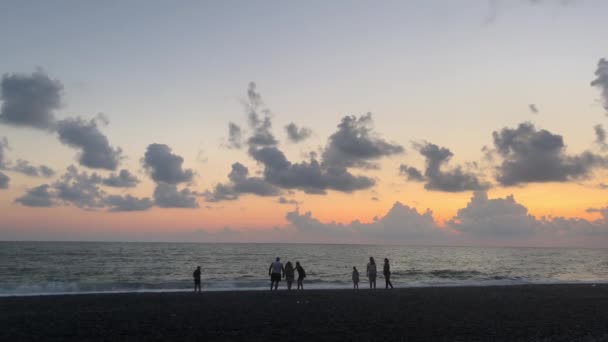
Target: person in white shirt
276	271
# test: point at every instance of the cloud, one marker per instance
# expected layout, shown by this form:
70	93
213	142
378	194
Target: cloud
40	196
452	180
600	136
164	166
128	203
283	200
23	166
355	144
124	179
235	136
80	189
601	81
4	181
96	152
259	119
240	183
412	173
295	134
311	176
167	196
531	155
533	108
30	100
495	218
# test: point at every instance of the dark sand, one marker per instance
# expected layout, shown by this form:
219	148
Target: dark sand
512	313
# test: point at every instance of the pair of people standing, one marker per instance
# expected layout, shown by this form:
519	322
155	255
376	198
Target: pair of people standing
371	273
277	269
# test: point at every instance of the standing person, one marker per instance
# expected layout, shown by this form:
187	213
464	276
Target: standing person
197	279
371	273
355	278
301	275
275	271
289	274
387	273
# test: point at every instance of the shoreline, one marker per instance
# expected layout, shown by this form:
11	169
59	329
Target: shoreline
555	312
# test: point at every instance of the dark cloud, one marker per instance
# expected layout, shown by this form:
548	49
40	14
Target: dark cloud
80	189
235	136
167	196
3	145
602	80
311	176
124	179
453	180
531	155
4	181
96	152
164	166
354	144
600	136
40	196
295	134
240	183
496	218
24	166
283	200
128	203
533	108
30	100
259	119
412	173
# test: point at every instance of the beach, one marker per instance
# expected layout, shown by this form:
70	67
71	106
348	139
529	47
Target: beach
489	313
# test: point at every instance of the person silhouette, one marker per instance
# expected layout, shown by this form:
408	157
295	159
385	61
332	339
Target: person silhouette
197	279
387	273
275	271
371	273
355	278
289	274
301	275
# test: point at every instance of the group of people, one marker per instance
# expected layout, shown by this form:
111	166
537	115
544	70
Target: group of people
277	271
372	274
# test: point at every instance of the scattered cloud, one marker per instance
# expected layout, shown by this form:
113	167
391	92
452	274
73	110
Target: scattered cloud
531	155
3	145
124	179
30	100
453	180
40	196
355	144
533	108
295	134
601	81
4	181
167	196
600	137
240	183
164	166
23	166
95	149
283	200
235	136
128	203
80	189
259	119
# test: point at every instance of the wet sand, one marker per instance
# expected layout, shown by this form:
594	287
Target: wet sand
510	313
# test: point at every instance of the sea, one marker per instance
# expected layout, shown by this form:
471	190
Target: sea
34	268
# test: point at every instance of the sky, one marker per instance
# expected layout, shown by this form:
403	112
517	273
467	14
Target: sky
478	122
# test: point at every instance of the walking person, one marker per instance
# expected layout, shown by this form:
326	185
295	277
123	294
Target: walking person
387	273
197	279
355	278
275	271
289	274
301	275
371	273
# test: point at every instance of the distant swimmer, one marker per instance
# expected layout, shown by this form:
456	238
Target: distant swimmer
289	274
275	271
301	275
355	278
387	273
371	273
197	279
